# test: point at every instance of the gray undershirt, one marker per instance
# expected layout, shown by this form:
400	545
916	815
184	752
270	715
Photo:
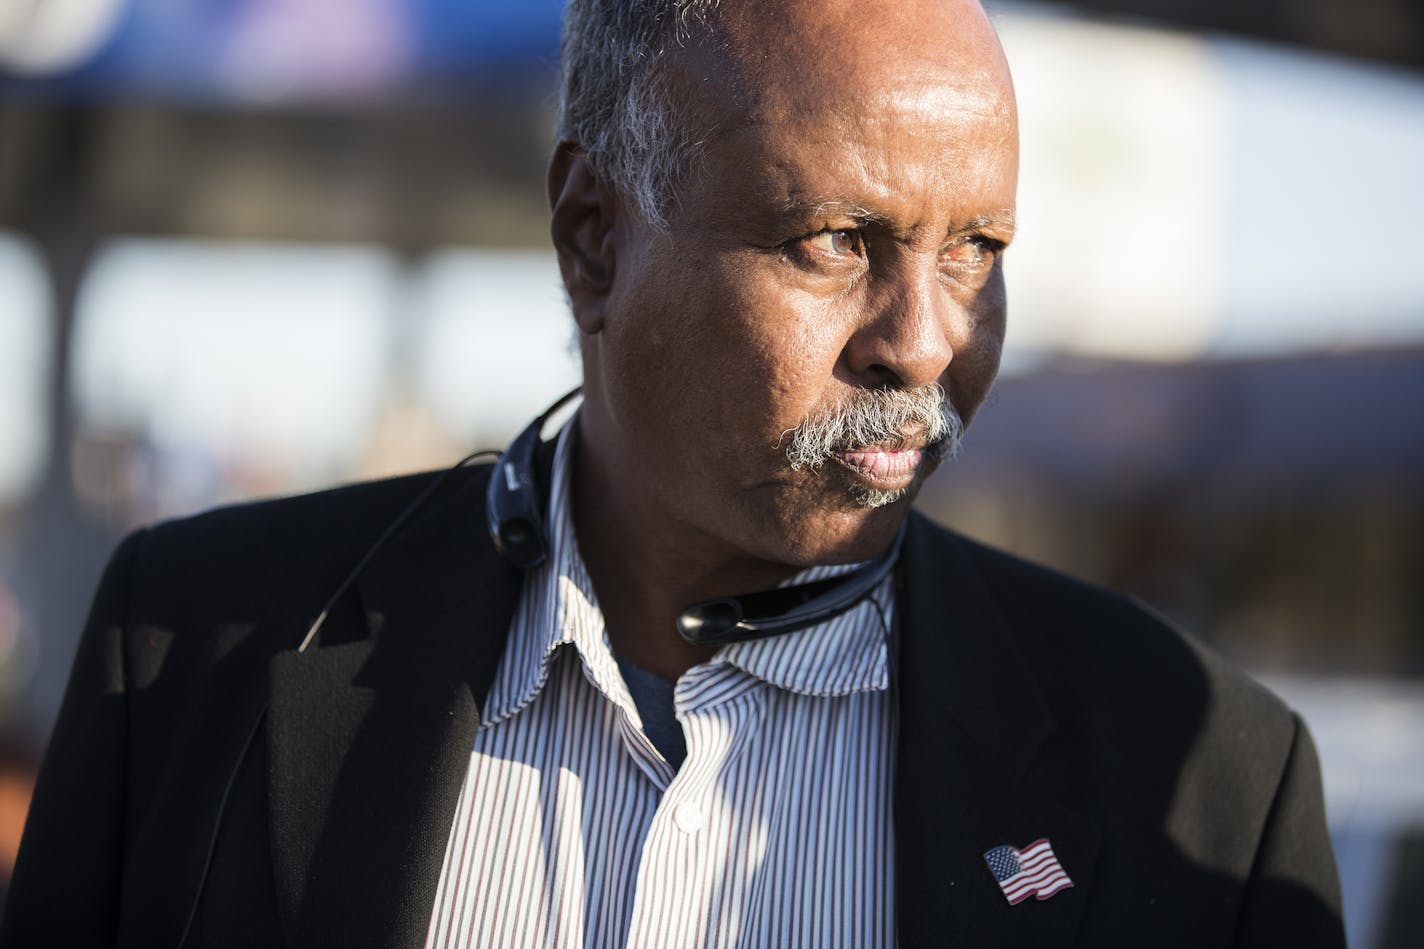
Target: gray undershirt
654	697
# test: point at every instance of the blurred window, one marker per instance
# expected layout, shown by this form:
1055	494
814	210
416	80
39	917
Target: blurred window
249	368
1188	196
25	340
499	344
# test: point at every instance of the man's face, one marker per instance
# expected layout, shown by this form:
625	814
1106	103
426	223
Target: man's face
843	232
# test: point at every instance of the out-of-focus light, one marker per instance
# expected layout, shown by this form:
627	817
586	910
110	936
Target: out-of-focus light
44	37
280	48
24	364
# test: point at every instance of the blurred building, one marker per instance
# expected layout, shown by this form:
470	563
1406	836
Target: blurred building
260	246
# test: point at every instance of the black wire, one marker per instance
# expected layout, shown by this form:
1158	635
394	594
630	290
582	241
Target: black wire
396	524
217	826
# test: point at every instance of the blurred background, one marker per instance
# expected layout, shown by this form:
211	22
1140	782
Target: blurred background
262	246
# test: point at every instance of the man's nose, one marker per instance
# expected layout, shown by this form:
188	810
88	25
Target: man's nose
907	336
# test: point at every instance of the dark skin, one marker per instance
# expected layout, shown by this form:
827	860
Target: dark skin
846	230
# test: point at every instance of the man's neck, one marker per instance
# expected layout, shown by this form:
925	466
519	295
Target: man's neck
644	576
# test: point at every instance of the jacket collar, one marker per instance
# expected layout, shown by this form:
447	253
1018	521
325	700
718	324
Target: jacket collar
975	730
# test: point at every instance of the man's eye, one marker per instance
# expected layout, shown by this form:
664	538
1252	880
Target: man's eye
845	242
973	253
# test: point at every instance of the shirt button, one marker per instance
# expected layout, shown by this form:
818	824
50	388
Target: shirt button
688	817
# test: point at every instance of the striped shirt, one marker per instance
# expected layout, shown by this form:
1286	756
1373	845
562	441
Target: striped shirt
572	830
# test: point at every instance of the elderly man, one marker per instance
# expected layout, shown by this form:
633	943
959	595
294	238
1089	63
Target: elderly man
706	681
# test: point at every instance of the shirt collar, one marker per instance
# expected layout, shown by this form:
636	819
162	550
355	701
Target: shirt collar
845	654
558	607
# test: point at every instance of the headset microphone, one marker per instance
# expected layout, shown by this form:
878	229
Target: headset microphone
734	619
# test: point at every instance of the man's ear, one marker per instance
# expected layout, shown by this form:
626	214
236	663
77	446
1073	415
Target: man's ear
582	225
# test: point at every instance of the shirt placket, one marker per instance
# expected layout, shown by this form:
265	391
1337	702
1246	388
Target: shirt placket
686	848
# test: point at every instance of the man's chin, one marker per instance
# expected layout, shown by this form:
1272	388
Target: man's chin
847	527
873	498
830	514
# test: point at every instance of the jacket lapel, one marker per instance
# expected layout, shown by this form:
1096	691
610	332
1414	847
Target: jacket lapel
974	764
370	739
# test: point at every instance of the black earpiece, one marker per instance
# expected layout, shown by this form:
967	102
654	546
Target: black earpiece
514	504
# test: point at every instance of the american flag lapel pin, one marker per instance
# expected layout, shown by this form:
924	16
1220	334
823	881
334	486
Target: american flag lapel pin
1032	871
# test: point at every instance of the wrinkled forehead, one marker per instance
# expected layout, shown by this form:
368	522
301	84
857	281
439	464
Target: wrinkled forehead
776	61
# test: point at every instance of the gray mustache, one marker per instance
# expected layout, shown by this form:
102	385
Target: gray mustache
878	417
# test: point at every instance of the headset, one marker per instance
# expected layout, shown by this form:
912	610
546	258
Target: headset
514	509
514	514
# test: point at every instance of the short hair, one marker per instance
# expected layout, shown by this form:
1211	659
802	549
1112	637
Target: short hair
615	99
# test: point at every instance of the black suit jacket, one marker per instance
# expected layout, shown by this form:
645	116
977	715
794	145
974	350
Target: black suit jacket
1183	800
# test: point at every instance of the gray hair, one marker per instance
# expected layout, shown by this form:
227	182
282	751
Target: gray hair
615	99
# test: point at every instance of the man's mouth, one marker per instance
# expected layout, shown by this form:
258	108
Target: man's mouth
885	469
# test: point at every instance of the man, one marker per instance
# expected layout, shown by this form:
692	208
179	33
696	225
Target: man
781	227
